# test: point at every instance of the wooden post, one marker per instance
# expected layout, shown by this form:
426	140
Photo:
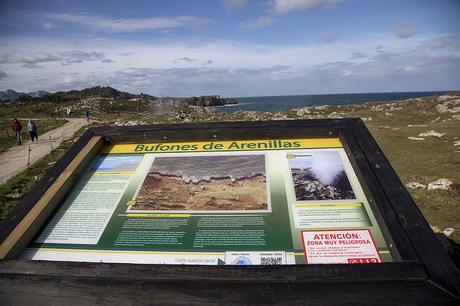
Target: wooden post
28	157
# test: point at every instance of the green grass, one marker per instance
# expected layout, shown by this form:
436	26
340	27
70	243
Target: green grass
424	162
7	138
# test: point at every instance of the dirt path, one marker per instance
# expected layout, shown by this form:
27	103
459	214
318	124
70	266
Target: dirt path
14	160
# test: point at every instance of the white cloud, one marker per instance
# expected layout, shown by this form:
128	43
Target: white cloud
233	5
447	41
259	23
123	25
285	6
48	25
32	59
404	30
280	7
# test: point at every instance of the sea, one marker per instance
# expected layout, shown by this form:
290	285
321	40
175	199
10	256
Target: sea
283	103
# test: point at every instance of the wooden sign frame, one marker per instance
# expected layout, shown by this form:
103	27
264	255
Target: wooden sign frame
422	271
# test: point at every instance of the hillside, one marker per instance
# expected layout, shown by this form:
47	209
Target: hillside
62	96
12	95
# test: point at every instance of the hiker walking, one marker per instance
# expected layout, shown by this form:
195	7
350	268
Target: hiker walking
32	128
86	113
16	128
69	112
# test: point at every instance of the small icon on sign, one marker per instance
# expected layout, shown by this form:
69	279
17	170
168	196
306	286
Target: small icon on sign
242	260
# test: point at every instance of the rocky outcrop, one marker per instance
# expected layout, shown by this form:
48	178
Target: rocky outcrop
431	134
441	184
210	101
415	185
451	106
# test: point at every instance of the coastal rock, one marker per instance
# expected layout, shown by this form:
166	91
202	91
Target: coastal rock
415	185
416	138
431	134
392	108
303	111
321	107
448	231
441	184
376	108
452	106
446	97
210	101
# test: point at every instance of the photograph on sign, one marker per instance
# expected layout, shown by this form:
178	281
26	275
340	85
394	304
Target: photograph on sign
106	163
207	183
319	176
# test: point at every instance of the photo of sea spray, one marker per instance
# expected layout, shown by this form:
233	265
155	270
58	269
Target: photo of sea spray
204	183
320	176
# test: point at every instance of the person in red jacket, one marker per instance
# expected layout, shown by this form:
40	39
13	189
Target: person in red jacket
16	127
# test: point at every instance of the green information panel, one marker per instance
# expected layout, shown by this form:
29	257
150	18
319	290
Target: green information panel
260	202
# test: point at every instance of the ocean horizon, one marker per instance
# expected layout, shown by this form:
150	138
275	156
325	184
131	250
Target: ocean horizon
284	103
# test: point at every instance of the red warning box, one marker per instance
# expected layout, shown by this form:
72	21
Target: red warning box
354	246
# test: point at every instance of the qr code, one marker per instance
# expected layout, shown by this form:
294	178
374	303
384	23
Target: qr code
271	260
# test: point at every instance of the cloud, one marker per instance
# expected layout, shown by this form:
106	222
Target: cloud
31	66
108	61
208	62
28	59
124	25
233	5
48	25
448	41
32	59
404	30
285	6
357	55
259	23
185	59
3	75
280	7
76	56
328	39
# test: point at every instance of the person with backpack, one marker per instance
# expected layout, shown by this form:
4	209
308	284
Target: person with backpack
16	128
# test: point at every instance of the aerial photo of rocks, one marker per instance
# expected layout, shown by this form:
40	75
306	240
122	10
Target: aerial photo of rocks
204	183
320	176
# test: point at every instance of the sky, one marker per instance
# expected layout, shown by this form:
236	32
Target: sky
233	48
